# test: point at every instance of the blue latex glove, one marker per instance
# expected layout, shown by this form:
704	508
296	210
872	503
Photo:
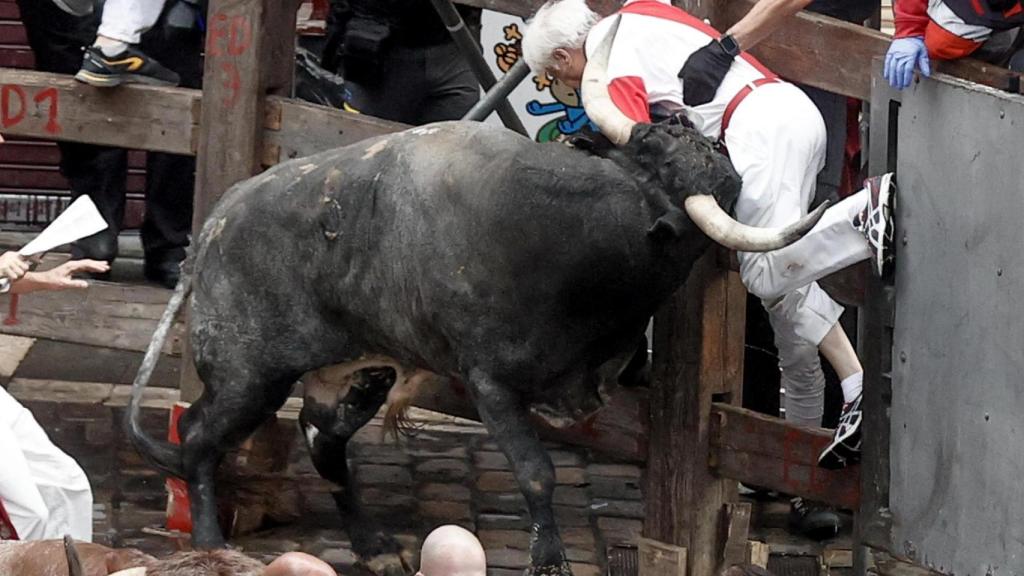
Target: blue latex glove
904	55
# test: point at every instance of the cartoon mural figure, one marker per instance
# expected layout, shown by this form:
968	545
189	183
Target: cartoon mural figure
567	100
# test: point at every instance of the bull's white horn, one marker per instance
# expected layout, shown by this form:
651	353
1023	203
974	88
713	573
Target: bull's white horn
722	228
130	572
594	88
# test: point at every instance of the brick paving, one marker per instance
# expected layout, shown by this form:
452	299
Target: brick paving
448	472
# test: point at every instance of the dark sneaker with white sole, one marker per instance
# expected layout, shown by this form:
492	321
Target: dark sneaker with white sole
76	7
875	222
813	520
131	66
844	449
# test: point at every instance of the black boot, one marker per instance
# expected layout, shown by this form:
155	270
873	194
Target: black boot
163	271
813	519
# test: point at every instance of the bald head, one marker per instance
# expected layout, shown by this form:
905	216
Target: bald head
299	564
452	551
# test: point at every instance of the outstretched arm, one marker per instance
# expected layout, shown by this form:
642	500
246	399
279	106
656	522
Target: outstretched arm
59	278
706	68
762	20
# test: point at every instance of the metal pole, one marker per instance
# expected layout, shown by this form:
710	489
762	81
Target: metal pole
471	51
499	92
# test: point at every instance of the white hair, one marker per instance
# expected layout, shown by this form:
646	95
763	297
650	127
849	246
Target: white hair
557	24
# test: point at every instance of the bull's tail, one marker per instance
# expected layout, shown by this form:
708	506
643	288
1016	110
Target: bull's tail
163	455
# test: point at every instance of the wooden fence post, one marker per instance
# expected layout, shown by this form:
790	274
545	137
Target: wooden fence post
698	359
250	54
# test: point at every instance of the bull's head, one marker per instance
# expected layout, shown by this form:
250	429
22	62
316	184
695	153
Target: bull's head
667	154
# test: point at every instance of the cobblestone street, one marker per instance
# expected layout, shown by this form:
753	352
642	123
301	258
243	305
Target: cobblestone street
447	472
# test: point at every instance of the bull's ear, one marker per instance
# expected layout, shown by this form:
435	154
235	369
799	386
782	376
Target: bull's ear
670	225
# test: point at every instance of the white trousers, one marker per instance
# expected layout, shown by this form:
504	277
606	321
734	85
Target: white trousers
776	141
44	491
128	20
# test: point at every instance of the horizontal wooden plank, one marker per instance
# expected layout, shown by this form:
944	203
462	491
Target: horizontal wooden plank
13	33
9	11
23	152
805	48
50	177
763	451
296	128
17	57
110	315
53	106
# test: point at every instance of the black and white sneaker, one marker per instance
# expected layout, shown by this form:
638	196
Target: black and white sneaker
845	447
130	66
875	222
76	7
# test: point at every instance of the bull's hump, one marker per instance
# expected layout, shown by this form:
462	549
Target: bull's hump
457	137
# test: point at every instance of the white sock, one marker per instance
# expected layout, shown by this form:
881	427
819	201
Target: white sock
852	385
109	46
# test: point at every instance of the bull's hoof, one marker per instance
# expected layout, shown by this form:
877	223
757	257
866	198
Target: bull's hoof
388	565
549	570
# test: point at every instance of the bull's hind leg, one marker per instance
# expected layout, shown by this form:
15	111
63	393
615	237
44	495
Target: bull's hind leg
336	406
227	413
505	415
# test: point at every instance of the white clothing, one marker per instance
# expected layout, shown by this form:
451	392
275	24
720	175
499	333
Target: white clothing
128	20
776	141
649	52
45	492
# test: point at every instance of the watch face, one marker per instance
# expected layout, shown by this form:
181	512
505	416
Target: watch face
730	45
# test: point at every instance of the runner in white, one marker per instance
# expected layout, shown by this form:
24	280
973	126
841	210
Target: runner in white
775	138
45	492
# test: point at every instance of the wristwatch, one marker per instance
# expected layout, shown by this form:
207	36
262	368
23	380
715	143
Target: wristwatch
732	48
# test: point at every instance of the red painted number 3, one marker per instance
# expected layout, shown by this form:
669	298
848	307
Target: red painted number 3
228	38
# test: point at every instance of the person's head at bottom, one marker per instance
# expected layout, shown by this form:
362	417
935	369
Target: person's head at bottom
298	564
452	551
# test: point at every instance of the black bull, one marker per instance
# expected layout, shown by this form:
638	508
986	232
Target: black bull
526	271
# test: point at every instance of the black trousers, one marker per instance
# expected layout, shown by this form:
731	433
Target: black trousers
416	86
56	39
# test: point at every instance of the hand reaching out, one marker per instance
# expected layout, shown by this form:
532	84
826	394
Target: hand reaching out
60	278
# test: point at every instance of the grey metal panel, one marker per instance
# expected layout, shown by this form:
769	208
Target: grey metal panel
957	420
